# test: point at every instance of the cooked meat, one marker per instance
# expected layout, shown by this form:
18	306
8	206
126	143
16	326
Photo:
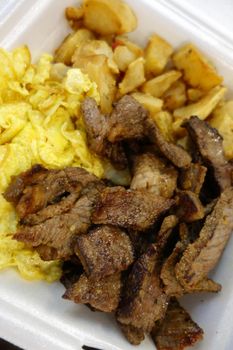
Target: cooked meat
104	250
172	287
52	210
102	294
132	209
45	187
177	330
139	241
97	128
209	144
127	120
176	154
189	207
71	273
192	178
55	237
201	256
144	301
134	335
154	175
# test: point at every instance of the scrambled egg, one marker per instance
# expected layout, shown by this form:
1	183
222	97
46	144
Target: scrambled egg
39	123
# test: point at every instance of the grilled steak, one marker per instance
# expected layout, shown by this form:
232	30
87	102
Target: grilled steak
209	144
177	330
71	273
189	207
104	250
101	294
39	187
55	237
176	154
134	335
153	174
192	178
97	127
132	209
127	120
201	256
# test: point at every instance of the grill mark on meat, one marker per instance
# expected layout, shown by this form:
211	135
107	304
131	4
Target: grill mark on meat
209	144
189	206
176	154
101	294
104	250
127	120
132	209
192	178
154	175
177	330
134	335
97	126
201	257
55	237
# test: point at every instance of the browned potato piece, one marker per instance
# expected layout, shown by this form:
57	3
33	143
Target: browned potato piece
74	13
198	72
95	47
109	17
202	108
159	85
164	121
134	77
123	57
175	97
222	119
137	50
98	71
152	104
65	51
195	94
157	54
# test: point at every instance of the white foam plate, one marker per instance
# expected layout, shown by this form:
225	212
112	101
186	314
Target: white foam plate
32	314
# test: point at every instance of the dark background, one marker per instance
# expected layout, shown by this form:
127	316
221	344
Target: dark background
7	346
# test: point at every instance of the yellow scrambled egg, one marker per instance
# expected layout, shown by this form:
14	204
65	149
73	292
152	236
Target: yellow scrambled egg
39	123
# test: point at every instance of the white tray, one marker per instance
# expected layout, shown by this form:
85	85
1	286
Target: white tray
33	315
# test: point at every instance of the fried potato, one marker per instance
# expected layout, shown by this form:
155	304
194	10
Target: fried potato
202	108
66	50
98	70
175	97
157	54
198	72
159	85
95	47
122	40
74	13
123	57
152	104
134	77
164	122
109	17
195	94
222	119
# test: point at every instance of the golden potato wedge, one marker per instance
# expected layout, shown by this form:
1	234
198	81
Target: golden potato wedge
95	47
159	85
66	50
123	57
175	97
152	104
123	40
198	72
203	108
134	77
195	94
222	120
109	17
164	120
98	71
157	54
74	13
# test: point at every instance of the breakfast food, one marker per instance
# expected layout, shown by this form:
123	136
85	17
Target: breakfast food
113	173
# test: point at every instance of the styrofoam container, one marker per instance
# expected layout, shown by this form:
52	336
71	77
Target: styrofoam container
32	314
